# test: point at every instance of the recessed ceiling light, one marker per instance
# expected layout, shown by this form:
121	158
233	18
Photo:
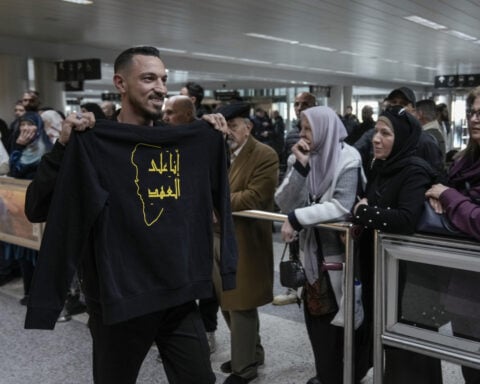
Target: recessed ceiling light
349	53
273	38
425	22
391	61
173	50
213	56
344	73
319	47
290	66
414	65
83	2
461	35
320	69
254	61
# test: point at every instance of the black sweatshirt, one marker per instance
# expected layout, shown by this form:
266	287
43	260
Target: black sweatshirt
133	206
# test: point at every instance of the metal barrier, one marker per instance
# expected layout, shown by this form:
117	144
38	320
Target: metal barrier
348	368
390	327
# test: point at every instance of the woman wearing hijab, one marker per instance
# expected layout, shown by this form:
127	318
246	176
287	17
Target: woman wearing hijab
52	121
31	144
320	187
393	202
460	201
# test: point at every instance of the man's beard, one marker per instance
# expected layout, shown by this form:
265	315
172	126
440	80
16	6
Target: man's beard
232	145
145	112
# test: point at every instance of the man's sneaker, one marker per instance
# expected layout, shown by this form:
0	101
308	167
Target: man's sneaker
212	343
289	297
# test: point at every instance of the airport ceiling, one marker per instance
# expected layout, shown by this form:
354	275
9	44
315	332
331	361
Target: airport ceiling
257	43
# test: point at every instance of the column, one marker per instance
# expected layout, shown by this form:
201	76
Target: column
13	82
335	101
51	91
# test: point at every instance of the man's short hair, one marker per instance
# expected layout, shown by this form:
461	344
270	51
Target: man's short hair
125	57
195	90
427	108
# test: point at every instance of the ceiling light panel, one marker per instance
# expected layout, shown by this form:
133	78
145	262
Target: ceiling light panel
425	22
273	38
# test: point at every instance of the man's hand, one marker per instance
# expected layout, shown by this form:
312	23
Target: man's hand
75	121
218	122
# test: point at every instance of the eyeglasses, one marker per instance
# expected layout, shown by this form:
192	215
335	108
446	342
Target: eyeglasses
471	113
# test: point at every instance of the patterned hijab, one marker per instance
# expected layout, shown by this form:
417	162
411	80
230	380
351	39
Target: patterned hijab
328	133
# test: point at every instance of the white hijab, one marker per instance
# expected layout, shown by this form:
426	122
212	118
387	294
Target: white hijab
328	134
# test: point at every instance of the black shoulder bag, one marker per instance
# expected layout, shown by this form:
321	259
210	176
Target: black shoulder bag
292	274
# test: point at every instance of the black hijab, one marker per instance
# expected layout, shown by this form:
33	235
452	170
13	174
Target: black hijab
407	130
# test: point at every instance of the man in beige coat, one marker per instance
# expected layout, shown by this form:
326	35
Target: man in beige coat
253	177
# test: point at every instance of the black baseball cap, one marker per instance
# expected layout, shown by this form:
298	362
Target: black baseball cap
404	92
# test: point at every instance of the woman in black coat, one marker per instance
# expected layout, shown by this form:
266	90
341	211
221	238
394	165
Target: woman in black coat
393	202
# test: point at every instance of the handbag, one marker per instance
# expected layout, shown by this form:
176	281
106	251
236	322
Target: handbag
319	297
292	274
436	223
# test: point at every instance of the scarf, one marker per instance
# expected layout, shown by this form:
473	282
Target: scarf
328	133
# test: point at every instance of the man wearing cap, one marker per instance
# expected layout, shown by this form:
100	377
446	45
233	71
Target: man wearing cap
253	176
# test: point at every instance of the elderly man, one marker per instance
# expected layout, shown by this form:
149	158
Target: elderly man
181	110
178	110
253	176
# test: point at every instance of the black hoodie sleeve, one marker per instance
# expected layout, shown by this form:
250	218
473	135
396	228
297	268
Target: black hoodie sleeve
40	190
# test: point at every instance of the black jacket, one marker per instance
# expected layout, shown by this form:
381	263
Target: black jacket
133	207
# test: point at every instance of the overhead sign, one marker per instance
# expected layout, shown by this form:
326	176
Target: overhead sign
110	96
226	95
457	81
79	70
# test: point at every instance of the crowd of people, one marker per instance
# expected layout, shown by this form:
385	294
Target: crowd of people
185	255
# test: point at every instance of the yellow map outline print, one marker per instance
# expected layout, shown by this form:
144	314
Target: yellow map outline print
167	162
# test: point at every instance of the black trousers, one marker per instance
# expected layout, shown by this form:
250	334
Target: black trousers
119	349
208	310
327	345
